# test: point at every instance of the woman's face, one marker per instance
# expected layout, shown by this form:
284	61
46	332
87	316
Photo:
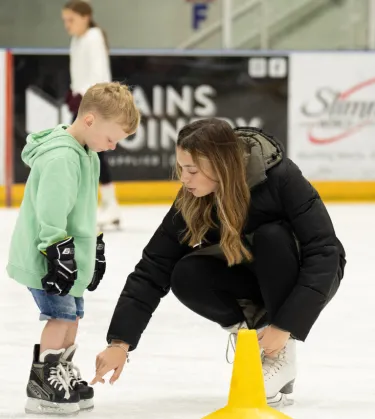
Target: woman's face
75	24
198	181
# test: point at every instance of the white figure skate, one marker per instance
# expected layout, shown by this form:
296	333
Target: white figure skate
279	372
279	375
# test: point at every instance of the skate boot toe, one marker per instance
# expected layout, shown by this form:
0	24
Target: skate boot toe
86	395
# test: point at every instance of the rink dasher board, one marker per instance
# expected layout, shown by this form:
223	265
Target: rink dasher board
245	87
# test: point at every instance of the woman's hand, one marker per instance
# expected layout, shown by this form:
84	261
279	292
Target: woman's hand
112	358
272	340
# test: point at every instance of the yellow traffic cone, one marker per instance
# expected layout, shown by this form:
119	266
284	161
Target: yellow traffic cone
247	396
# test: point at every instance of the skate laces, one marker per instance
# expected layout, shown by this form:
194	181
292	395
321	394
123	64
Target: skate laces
231	347
232	339
59	379
73	372
271	366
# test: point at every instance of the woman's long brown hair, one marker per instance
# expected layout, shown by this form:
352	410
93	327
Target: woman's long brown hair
213	139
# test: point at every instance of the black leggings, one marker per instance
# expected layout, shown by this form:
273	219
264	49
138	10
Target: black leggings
105	174
210	288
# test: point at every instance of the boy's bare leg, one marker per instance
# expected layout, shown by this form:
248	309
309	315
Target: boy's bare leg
71	334
54	335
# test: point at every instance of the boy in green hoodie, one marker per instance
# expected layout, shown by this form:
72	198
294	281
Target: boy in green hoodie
54	249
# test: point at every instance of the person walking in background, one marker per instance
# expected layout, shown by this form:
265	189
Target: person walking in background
90	64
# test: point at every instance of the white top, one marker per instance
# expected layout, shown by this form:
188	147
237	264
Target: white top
89	61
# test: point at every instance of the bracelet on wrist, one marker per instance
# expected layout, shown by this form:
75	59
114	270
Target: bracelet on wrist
123	346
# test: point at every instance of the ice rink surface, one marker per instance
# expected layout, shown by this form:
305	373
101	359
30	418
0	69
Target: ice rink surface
179	369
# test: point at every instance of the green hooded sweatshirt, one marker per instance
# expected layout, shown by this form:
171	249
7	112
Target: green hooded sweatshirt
60	200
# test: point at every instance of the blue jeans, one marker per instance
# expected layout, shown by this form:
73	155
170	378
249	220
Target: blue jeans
57	307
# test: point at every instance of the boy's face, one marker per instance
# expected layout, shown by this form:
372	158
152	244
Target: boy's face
101	134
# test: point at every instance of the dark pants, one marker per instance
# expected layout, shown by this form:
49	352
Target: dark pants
210	288
105	174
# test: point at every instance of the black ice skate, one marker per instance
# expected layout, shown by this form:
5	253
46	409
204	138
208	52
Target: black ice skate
76	383
48	390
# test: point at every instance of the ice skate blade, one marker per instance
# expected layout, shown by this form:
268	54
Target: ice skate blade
43	407
280	400
86	405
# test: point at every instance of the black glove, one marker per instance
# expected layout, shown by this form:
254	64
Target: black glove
62	268
100	264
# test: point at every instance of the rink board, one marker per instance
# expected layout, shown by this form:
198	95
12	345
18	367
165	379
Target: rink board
326	125
160	192
170	92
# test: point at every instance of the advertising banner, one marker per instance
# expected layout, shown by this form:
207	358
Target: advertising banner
332	115
170	92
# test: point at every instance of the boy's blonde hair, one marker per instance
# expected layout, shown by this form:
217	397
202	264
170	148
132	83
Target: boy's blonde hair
112	101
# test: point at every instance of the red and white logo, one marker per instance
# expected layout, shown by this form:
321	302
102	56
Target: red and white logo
333	115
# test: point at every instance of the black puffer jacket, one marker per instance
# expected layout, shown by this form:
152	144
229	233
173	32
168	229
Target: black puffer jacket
278	192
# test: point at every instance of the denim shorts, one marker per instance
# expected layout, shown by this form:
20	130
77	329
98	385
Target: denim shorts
57	307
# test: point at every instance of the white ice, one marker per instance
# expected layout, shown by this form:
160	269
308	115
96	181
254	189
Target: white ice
179	369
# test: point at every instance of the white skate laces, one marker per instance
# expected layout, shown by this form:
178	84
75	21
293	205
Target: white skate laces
271	366
73	373
59	379
231	347
232	339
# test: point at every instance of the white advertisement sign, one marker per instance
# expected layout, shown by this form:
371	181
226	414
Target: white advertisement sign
2	115
331	127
